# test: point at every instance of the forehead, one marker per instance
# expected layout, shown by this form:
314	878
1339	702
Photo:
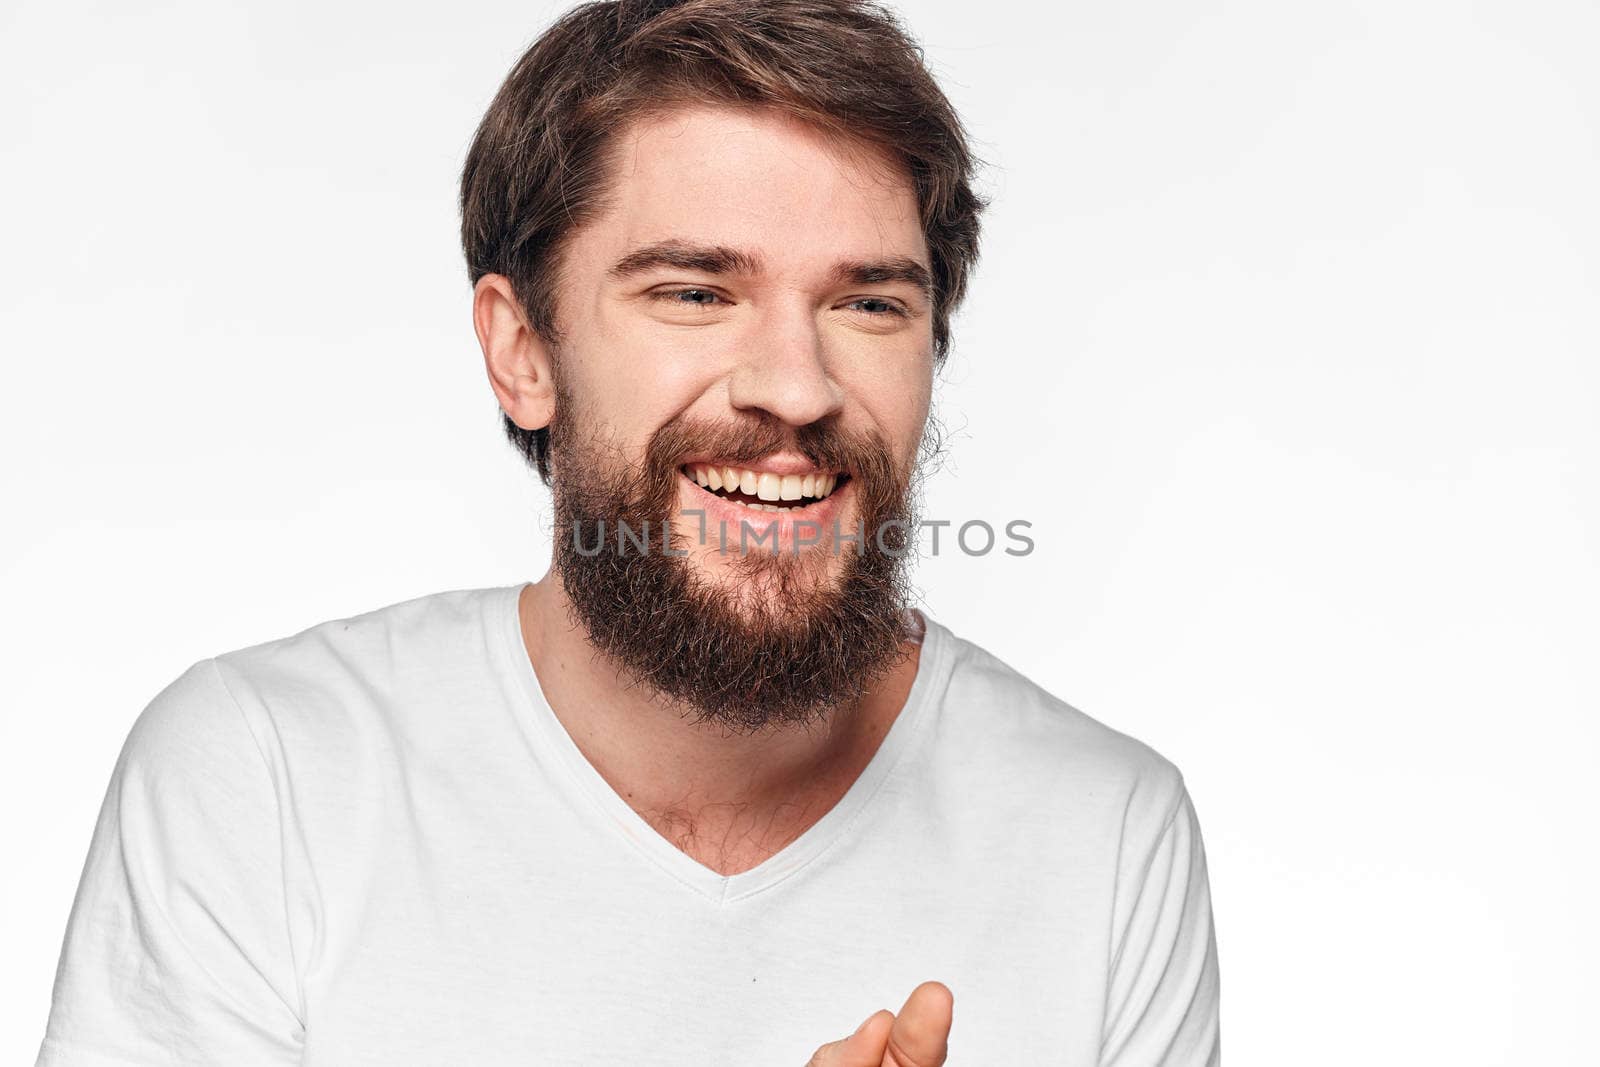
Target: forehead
747	178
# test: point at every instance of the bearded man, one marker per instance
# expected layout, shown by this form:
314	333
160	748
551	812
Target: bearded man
710	790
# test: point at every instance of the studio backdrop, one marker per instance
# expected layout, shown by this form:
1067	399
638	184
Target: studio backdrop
1282	344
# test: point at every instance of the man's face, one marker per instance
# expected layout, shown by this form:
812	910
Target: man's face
751	302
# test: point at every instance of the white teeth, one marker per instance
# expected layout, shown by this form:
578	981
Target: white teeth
763	485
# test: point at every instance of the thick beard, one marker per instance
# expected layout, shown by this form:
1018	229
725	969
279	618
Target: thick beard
783	644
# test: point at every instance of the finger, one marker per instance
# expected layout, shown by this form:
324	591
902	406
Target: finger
920	1036
864	1048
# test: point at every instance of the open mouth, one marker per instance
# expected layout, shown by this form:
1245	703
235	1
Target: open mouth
762	490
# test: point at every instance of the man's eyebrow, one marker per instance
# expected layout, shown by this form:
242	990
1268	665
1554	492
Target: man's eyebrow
720	259
707	259
896	269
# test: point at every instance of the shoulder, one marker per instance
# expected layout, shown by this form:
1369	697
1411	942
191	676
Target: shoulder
425	643
431	626
191	723
323	684
1014	731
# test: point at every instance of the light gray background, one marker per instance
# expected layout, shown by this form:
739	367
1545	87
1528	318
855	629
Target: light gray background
1284	338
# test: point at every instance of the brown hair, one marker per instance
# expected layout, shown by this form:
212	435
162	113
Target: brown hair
538	164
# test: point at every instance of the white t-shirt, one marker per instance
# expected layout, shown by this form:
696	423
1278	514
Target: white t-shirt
373	842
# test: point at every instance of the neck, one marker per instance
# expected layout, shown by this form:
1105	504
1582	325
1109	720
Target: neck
728	799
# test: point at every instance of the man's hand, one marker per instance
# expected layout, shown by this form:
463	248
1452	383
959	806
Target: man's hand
917	1037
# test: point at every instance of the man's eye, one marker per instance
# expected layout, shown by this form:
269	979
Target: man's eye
874	306
696	297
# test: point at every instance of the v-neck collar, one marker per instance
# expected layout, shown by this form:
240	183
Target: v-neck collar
714	886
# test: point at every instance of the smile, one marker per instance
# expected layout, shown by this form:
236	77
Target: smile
763	490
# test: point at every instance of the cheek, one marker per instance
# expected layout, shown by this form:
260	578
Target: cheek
636	376
896	393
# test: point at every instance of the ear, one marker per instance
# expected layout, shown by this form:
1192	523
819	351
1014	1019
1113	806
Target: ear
517	358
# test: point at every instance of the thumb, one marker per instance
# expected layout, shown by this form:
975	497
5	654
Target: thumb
921	1033
864	1048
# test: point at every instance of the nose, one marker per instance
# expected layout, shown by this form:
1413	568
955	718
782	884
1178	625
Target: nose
784	372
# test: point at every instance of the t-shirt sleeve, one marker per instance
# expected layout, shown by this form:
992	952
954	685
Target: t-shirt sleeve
1163	1005
177	948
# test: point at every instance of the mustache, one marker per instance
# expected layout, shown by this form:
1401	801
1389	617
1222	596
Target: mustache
824	443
